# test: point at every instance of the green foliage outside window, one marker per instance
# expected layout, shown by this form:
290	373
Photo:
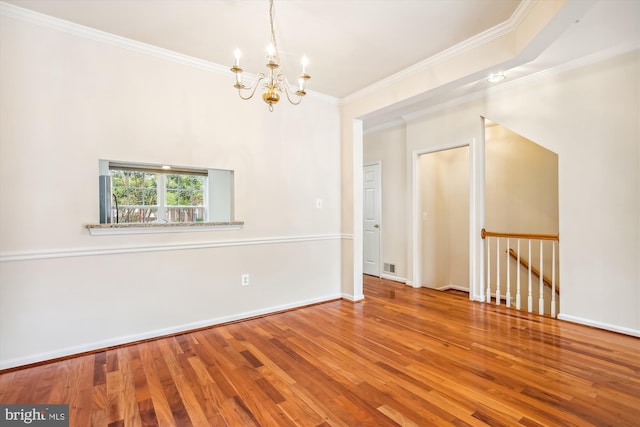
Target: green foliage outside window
137	196
185	190
135	188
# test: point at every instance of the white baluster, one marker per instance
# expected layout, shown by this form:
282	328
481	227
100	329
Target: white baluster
530	297
488	269
518	278
541	299
553	278
498	271
508	293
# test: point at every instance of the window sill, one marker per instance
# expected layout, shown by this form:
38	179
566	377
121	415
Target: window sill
148	228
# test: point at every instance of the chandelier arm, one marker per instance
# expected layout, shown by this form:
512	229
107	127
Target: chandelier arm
288	90
252	89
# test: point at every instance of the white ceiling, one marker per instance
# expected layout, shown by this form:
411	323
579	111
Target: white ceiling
351	44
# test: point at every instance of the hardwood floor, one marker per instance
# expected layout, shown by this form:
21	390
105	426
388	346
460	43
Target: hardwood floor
410	357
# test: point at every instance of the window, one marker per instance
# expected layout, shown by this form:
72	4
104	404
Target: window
184	201
138	193
141	196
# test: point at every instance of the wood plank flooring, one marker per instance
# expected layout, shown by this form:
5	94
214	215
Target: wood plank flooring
408	357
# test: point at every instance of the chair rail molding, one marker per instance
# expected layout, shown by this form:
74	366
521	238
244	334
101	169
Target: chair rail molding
83	252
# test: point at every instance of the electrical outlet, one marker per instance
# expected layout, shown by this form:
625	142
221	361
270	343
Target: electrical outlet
245	280
319	203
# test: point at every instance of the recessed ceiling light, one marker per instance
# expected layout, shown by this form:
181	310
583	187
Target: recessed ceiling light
166	167
496	77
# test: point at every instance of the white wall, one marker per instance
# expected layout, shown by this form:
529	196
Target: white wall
589	116
521	184
67	101
388	147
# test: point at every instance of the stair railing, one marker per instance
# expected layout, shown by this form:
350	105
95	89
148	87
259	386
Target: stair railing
527	264
524	263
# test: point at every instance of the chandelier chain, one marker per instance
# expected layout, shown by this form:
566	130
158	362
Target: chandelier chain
273	33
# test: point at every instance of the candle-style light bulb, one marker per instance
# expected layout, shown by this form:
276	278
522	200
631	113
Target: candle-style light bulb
237	54
305	62
301	83
271	51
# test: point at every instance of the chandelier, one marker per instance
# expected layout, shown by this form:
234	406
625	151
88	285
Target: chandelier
275	82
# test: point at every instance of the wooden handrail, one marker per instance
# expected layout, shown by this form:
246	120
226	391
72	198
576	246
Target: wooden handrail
534	270
486	233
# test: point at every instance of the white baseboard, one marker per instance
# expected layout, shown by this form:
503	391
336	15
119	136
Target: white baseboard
453	287
158	333
394	278
478	298
600	325
353	298
413	285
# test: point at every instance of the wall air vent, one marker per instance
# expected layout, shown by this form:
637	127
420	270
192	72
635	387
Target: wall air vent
389	268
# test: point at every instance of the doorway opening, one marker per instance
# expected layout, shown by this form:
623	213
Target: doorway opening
443	189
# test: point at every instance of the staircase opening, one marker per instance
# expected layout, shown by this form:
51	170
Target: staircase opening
521	194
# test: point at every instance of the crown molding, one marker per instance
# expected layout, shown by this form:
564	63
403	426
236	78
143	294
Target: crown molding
322	97
582	62
474	42
89	33
42	20
384	126
585	61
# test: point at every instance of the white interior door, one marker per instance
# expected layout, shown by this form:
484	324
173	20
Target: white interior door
371	214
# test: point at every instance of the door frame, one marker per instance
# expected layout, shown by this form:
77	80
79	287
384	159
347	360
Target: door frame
476	214
364	165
